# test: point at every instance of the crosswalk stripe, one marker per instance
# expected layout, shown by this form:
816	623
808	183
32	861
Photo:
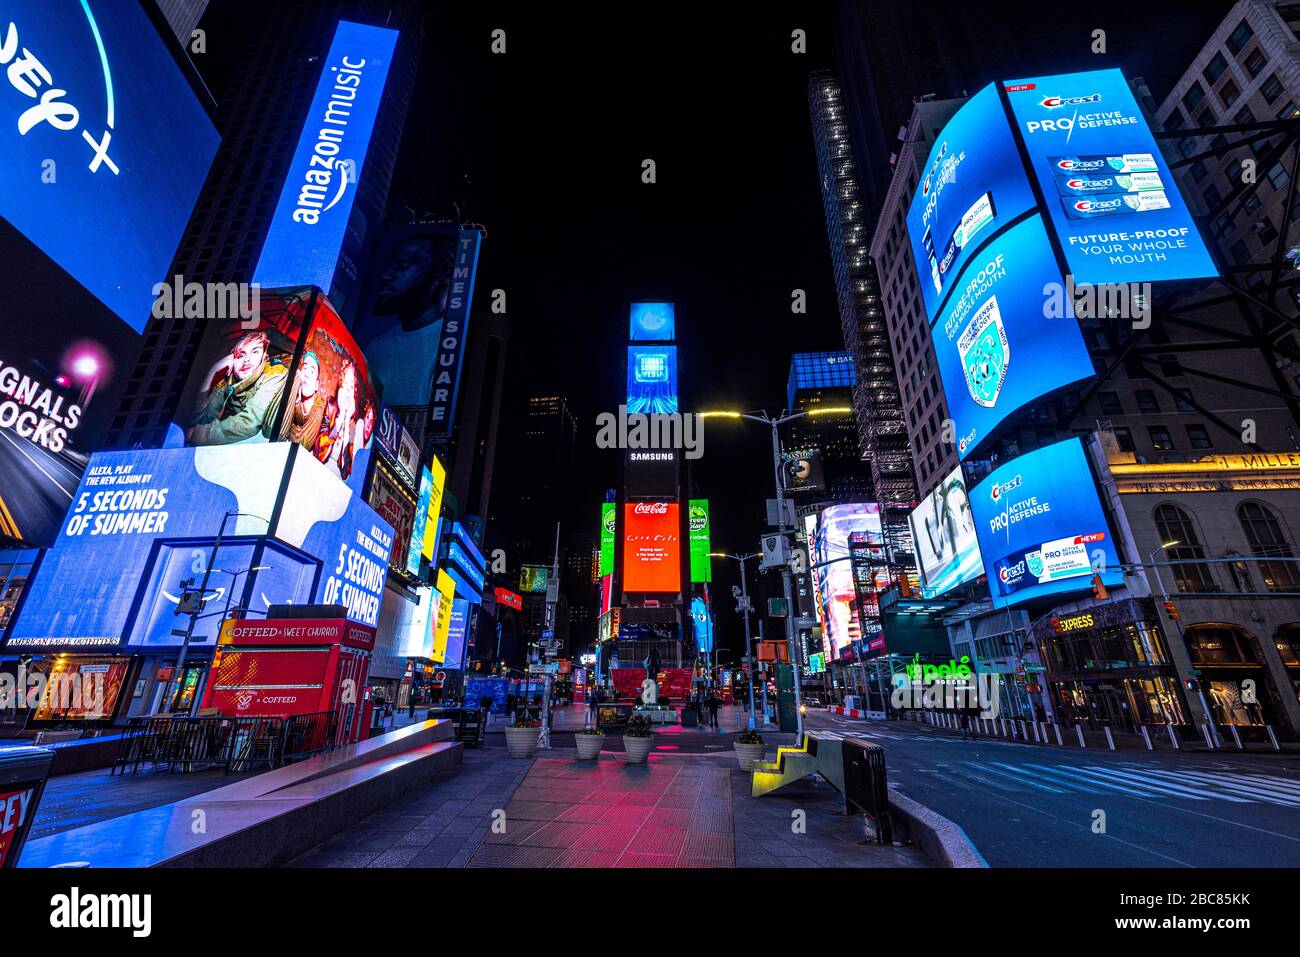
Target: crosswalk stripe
1011	772
985	781
1078	776
1233	783
1151	779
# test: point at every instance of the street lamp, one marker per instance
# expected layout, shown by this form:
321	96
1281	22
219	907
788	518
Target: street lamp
774	423
234	578
749	641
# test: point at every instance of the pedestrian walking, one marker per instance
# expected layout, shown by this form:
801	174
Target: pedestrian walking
966	728
713	709
410	710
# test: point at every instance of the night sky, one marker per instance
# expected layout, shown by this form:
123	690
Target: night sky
544	147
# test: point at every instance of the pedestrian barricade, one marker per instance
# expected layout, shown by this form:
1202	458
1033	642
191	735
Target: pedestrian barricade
182	743
866	789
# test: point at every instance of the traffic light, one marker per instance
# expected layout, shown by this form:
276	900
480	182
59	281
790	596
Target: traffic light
1172	609
1099	590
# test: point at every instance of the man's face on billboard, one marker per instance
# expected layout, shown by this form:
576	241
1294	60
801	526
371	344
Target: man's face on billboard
408	272
247	357
308	378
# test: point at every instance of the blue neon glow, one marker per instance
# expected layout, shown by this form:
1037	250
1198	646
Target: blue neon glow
114	216
310	222
973	185
1041	526
651	379
996	350
1113	200
652	322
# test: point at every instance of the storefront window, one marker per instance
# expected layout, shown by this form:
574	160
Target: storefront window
1220	645
1288	645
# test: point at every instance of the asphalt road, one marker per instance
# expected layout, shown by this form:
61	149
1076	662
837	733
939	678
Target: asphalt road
38	488
1026	806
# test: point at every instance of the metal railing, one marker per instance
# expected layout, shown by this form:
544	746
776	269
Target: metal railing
234	744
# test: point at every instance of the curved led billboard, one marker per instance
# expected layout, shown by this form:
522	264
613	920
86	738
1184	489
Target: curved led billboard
1041	526
1109	191
104	147
997	352
973	185
943	533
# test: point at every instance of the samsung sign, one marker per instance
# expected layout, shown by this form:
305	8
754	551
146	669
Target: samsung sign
311	219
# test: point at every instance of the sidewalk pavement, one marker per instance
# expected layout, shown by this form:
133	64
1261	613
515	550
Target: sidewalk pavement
556	811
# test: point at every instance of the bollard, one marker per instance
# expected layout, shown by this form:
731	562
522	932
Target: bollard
1037	738
1236	737
1209	738
1044	727
1272	737
1002	727
1110	741
1057	728
1173	738
1079	730
1146	736
1024	732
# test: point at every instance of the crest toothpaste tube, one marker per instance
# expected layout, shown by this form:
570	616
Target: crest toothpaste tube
1070	166
1091	184
1112	204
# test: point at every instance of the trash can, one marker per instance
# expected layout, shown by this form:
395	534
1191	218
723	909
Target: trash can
23	772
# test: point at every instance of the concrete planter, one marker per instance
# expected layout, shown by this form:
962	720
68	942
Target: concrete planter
522	742
589	746
638	748
749	754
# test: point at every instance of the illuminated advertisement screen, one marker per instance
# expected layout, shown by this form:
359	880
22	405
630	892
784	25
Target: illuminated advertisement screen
311	219
701	625
433	521
802	470
533	579
697	528
997	352
395	505
1113	201
420	524
264	380
843	621
102	136
415	311
972	186
456	632
652	379
652	322
943	536
104	147
128	501
444	595
1041	526
508	598
608	536
651	547
324	518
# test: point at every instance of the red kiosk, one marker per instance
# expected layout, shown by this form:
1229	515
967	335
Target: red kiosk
280	667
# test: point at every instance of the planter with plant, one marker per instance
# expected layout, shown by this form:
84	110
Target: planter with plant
522	737
589	742
638	739
750	749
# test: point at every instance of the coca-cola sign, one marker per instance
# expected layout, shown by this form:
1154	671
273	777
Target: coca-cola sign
651	547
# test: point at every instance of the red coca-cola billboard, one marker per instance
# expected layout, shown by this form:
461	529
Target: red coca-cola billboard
652	560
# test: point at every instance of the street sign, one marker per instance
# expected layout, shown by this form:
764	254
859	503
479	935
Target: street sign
745	604
776	607
775	550
773	513
178	632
